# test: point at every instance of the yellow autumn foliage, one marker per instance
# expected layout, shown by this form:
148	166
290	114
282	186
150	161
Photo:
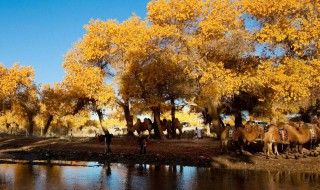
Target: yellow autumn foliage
87	82
14	78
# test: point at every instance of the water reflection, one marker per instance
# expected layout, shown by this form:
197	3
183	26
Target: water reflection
141	176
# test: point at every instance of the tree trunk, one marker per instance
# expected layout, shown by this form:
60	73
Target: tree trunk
100	115
238	119
173	117
128	118
155	128
173	110
156	113
306	117
213	112
31	125
46	127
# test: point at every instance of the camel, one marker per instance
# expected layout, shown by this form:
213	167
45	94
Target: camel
143	126
299	134
295	136
167	125
273	137
146	125
171	127
317	129
314	130
176	125
226	136
137	126
245	135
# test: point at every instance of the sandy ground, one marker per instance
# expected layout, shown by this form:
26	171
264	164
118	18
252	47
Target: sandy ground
192	152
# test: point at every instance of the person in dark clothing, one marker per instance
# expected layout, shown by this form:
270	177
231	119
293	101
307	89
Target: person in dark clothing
142	142
108	137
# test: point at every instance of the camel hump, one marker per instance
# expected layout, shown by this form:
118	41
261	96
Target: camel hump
137	123
271	126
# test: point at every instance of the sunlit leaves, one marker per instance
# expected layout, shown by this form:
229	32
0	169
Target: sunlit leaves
88	83
14	79
96	45
163	12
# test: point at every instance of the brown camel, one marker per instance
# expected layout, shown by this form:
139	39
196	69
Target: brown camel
274	136
294	136
143	126
317	128
146	125
137	126
171	127
167	125
314	138
226	136
299	134
246	134
176	125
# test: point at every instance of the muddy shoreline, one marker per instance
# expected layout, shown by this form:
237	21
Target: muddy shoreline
102	158
186	152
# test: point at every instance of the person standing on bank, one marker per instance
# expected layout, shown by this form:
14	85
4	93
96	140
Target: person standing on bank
142	142
108	137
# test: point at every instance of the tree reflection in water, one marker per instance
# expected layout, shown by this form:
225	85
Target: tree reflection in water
143	176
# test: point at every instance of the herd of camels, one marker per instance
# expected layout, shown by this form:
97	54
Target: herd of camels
166	125
292	136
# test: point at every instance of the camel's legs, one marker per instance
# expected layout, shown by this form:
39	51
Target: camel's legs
276	152
295	148
313	147
266	149
287	152
226	146
223	146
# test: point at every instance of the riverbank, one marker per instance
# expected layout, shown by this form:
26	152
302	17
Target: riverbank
189	152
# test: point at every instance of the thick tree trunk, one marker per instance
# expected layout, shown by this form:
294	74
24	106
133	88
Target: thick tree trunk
173	110
100	116
128	118
306	117
173	117
7	126
31	125
213	112
156	113
238	119
155	128
46	127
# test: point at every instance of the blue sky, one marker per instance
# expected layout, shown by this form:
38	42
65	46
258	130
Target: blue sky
39	32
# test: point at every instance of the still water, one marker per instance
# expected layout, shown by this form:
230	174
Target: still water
89	175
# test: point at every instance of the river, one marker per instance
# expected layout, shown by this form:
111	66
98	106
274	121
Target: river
91	175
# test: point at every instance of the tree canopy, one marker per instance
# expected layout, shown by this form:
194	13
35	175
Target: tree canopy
218	57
